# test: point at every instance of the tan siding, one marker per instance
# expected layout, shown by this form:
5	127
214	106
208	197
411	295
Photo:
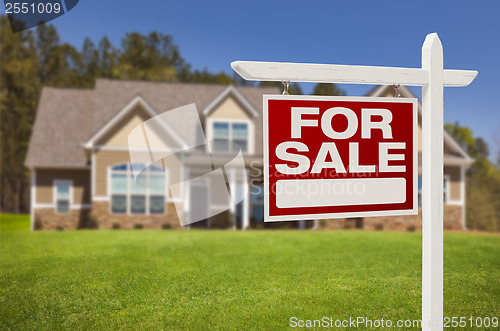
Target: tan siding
229	108
118	135
455	184
106	158
103	160
45	181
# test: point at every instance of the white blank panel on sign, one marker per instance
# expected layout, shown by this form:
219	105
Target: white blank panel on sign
339	192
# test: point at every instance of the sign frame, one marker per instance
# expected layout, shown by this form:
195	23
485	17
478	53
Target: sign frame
432	77
265	126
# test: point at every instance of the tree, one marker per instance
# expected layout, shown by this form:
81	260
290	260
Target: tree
327	89
205	77
31	59
483	181
153	57
108	57
19	92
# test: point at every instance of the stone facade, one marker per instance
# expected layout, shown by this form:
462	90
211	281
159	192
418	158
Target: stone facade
105	220
48	219
100	217
453	215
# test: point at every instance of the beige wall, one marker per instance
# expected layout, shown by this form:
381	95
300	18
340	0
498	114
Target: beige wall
229	108
45	181
455	185
118	135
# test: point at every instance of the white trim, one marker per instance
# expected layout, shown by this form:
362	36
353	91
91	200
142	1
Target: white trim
250	137
246	208
138	100
126	149
57	167
81	206
411	211
167	183
54	193
349	74
92	175
463	196
230	90
44	205
448	200
54	206
100	198
33	199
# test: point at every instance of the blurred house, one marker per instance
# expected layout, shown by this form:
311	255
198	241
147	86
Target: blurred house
82	173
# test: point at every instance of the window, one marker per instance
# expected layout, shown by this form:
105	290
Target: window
227	133
144	195
445	189
62	196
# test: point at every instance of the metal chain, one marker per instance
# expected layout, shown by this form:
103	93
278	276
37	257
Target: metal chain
286	85
397	94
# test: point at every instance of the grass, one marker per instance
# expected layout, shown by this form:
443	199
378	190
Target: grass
230	280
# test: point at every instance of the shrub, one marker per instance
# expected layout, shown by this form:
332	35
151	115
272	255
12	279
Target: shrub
166	226
92	222
116	226
379	226
38	224
59	228
411	228
138	226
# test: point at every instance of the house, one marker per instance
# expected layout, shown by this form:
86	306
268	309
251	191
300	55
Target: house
82	174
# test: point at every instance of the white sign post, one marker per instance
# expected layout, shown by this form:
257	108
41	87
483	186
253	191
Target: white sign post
432	77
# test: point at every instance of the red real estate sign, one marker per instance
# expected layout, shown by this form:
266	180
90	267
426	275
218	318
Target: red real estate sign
337	157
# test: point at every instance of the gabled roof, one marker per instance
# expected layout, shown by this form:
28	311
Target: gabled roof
457	152
137	101
231	90
68	118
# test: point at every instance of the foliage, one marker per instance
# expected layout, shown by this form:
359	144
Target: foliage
327	89
483	181
192	280
35	58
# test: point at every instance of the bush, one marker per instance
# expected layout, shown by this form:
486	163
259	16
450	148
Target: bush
116	226
411	228
92	222
379	226
166	226
138	226
38	224
59	228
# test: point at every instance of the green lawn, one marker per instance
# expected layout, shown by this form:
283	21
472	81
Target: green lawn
231	280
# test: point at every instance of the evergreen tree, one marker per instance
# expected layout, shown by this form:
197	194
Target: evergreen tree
19	91
327	89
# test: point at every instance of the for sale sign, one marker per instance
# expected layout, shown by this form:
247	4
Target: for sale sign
337	157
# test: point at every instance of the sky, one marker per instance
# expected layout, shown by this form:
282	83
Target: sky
212	34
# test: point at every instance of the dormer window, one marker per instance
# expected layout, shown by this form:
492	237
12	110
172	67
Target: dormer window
228	135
